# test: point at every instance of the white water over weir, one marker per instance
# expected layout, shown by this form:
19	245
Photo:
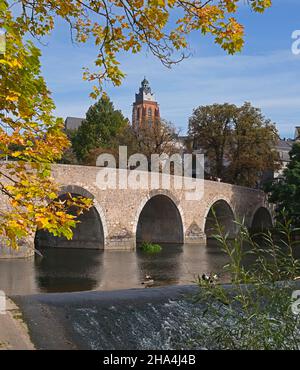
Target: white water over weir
158	318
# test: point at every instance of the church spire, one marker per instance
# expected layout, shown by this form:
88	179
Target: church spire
145	86
145	93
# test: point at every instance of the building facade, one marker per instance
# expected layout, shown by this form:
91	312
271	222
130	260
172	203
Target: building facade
145	111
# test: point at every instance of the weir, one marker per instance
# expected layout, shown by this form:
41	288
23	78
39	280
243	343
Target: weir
160	318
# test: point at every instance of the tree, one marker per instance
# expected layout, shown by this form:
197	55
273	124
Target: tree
102	124
210	128
125	137
238	142
162	137
69	157
251	147
285	192
118	26
31	136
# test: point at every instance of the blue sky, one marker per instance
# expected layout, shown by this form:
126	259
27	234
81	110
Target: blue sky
266	73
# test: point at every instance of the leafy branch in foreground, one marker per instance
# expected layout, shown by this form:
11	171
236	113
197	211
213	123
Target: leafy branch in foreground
254	311
31	138
117	26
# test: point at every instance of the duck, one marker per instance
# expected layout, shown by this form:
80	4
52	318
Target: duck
211	278
148	280
205	277
215	277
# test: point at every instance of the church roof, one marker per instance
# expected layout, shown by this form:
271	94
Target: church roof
73	123
285	145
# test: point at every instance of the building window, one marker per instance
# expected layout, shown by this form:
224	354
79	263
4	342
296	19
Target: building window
150	117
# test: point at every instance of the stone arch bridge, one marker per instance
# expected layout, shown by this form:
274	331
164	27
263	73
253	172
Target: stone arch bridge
120	218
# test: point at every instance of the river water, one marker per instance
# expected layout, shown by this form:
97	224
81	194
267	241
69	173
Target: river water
69	270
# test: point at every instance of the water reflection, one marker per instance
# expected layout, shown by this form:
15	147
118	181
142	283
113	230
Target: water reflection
120	270
67	270
61	270
18	276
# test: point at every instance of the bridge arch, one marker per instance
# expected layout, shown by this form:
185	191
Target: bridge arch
159	219
90	233
261	219
225	217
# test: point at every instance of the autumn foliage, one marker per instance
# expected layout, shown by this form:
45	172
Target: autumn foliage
162	26
30	139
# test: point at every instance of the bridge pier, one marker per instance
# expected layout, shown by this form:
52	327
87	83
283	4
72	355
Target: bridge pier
194	235
25	250
120	243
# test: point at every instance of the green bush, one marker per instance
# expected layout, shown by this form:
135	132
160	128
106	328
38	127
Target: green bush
254	312
151	248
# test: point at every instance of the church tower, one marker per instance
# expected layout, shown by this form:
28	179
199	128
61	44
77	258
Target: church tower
145	110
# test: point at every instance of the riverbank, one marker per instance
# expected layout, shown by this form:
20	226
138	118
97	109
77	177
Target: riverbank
14	333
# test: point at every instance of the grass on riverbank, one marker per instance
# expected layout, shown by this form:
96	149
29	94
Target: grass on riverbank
257	312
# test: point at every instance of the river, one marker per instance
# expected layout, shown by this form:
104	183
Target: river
70	270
